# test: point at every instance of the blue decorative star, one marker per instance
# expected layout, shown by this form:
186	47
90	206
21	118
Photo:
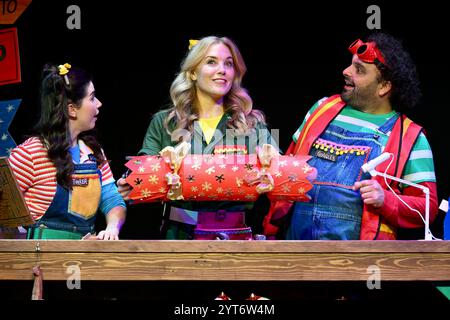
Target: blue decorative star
8	109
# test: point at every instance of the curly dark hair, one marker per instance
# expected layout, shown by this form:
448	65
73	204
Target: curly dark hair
53	125
401	71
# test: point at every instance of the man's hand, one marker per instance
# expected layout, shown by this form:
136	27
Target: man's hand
371	192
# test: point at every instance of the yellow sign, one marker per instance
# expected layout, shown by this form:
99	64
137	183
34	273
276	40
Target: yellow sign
10	10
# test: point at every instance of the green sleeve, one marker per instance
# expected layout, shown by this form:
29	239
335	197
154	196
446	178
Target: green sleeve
156	137
266	136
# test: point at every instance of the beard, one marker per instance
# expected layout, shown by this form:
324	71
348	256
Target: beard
357	98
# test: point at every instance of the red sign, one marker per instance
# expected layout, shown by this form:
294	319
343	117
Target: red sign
10	10
9	57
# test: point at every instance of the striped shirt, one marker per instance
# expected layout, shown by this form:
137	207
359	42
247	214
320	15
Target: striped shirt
36	173
420	166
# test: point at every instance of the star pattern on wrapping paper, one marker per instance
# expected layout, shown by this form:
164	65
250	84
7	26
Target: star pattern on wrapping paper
162	190
249	197
283	163
301	190
194	189
235	168
219	190
137	181
248	167
145	193
292	177
210	170
295	163
141	169
208	159
220	178
228	192
153	179
206	186
156	167
239	182
306	169
196	166
278	174
286	188
190	178
222	166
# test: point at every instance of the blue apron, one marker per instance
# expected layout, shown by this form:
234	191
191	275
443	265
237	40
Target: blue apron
72	212
335	210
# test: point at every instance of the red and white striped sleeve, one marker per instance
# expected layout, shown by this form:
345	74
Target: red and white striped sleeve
22	164
107	175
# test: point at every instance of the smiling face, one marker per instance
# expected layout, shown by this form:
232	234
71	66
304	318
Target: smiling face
84	115
363	85
215	74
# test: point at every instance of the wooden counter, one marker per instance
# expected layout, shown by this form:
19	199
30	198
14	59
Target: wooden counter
226	260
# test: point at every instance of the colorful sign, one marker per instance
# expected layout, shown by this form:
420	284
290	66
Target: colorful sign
9	57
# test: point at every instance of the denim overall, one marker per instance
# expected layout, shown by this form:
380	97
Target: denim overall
72	212
335	210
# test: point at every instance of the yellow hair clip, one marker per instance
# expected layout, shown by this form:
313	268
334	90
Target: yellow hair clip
64	70
192	43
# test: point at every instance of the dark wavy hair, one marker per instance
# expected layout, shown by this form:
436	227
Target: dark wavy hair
53	125
401	71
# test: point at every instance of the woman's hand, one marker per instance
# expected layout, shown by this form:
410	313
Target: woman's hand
109	234
124	188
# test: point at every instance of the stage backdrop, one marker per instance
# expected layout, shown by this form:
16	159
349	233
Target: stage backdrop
295	55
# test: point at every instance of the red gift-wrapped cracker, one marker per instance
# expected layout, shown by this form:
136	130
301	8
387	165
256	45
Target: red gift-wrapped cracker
217	177
148	178
292	178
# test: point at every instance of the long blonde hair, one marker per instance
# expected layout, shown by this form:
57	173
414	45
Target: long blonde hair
237	101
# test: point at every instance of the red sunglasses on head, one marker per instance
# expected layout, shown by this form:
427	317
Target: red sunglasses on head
367	52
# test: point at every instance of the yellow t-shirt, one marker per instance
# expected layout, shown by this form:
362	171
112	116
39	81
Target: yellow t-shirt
209	126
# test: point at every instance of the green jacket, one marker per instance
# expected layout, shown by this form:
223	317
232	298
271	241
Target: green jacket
157	138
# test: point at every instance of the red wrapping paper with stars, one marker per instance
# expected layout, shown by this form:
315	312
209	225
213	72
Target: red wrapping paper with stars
220	178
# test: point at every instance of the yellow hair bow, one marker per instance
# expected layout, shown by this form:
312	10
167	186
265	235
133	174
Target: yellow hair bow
192	43
64	70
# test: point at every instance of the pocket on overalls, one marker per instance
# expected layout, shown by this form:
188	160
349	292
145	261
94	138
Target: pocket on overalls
338	164
84	198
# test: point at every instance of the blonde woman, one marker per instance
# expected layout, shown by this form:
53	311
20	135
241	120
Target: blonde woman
214	113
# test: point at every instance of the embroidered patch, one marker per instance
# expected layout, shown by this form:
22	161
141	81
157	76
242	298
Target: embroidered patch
325	155
80	182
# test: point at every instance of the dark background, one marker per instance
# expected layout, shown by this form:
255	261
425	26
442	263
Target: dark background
295	54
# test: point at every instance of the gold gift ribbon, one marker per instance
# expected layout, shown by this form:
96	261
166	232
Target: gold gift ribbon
174	157
263	177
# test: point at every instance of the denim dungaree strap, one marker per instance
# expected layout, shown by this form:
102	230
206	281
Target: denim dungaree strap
70	210
334	211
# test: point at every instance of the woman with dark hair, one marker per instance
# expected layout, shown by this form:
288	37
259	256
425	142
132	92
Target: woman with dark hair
212	111
62	170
